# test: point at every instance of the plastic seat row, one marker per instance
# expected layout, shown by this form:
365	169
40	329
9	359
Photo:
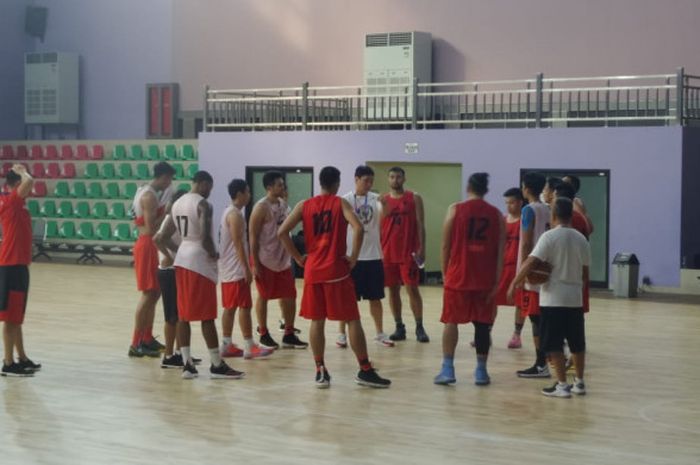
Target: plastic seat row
153	152
126	171
123	232
51	170
65	209
51	152
93	190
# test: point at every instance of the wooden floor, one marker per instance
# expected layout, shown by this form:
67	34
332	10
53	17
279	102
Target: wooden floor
91	404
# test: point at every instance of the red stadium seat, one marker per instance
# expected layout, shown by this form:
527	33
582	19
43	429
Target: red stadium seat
21	153
39	189
82	153
37	152
38	170
98	152
53	171
51	152
66	152
68	170
8	153
6	167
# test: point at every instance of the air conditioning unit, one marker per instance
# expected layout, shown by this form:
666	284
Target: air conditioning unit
51	88
391	61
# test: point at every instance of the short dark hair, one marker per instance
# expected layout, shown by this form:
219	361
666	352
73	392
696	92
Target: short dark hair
563	208
514	192
270	177
236	186
575	182
12	178
534	181
553	182
363	170
329	176
478	183
163	169
565	190
397	169
202	176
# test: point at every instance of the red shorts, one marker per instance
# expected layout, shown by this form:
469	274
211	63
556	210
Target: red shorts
236	294
460	307
146	264
528	302
507	277
273	285
586	297
335	301
396	274
196	296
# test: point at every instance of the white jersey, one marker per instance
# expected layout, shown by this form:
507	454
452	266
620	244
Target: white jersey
271	252
191	254
162	197
175	238
367	209
541	211
231	266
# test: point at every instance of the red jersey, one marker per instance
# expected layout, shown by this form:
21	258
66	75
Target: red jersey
473	247
579	223
16	247
325	231
510	251
399	229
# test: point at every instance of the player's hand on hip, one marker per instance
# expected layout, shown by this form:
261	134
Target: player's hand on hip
301	261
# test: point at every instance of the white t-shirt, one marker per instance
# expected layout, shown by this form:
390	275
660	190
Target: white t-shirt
568	251
367	209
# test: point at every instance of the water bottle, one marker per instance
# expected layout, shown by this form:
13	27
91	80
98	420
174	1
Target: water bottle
419	261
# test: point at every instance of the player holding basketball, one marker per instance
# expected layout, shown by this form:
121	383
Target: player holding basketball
329	292
472	260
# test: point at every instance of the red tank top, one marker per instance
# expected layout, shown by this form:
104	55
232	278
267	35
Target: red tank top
579	223
510	251
16	247
400	229
325	230
473	247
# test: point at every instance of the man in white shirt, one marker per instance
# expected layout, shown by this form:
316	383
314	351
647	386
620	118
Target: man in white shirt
561	300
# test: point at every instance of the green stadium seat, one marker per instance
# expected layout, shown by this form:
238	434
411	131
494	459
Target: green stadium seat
192	169
61	189
184	187
188	152
122	232
65	209
86	231
34	208
79	191
125	171
119	152
51	229
67	230
136	152
104	232
82	210
99	211
94	190
135	233
92	171
143	171
117	211
153	153
48	209
130	189
112	190
179	170
170	152
108	171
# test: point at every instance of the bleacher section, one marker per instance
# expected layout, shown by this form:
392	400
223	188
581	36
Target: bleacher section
82	192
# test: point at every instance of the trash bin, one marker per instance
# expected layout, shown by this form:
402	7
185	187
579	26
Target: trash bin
625	275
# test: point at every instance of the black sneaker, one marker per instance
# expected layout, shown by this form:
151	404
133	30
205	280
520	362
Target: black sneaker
421	335
196	361
399	334
154	345
267	342
282	328
16	370
223	371
558	390
189	371
143	351
323	379
174	361
535	372
291	341
372	379
29	365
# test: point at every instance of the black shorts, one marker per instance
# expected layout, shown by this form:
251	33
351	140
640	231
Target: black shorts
14	286
168	291
559	323
368	276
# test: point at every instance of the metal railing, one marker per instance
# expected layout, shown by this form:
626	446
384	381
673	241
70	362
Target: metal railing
655	100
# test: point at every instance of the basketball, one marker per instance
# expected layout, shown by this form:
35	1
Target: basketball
540	273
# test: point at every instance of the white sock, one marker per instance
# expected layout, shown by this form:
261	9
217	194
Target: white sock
215	357
227	341
578	380
186	355
562	385
249	343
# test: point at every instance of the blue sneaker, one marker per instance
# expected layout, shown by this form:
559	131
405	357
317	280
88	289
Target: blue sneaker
481	377
445	377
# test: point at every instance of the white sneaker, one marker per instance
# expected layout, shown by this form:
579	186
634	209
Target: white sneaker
578	388
383	340
557	390
342	341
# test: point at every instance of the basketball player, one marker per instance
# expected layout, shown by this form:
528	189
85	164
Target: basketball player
149	211
472	261
328	288
534	222
569	254
196	274
514	204
578	220
272	264
235	275
579	205
550	186
368	273
15	258
403	246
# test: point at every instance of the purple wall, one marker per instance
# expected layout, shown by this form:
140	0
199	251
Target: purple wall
638	159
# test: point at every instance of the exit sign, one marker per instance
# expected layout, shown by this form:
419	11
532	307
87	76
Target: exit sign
411	148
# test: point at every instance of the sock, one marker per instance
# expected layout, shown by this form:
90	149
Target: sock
541	358
186	355
262	330
562	385
578	380
399	322
448	368
319	362
480	363
227	340
419	322
249	343
364	363
518	328
215	356
288	329
148	335
136	338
